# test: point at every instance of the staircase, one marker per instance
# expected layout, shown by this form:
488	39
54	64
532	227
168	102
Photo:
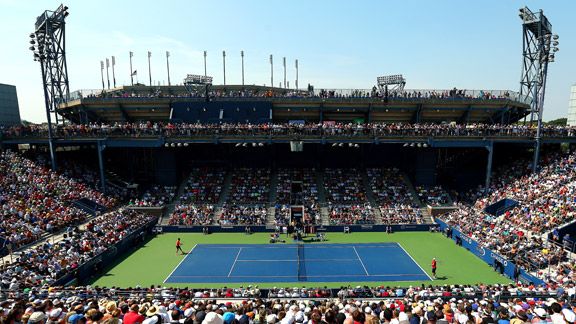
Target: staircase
412	191
271	218
370	198
225	190
423	208
324	216
320	185
273	186
169	208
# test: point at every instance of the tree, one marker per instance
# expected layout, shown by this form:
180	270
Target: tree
557	122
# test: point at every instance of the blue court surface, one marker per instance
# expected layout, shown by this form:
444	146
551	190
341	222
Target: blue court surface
216	263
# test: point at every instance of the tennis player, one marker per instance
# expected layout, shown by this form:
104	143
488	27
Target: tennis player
179	247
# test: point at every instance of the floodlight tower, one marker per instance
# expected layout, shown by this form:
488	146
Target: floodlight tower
392	83
539	47
48	45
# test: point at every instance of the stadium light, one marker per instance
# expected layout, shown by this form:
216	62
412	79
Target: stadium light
149	69
224	65
205	53
113	73
242	56
238	144
296	74
197	79
102	73
271	71
168	66
284	64
132	72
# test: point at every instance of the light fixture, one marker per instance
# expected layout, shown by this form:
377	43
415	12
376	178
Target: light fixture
166	144
412	145
238	144
186	144
179	144
405	144
334	144
173	145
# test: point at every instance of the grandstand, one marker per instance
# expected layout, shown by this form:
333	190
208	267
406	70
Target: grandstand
293	206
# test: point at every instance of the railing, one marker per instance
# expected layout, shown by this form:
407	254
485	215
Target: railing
331	94
265	131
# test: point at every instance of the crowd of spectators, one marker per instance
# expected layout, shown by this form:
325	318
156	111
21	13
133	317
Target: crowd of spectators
34	200
344	186
204	186
393	197
264	92
155	196
192	215
44	264
507	304
545	201
349	214
346	197
326	128
297	187
234	214
250	186
434	196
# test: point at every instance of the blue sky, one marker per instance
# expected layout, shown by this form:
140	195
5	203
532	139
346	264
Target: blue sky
339	44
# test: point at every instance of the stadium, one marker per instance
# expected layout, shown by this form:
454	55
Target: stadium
377	205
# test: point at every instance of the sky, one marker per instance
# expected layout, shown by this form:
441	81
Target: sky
437	44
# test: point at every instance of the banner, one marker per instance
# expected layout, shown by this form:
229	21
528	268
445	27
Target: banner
489	256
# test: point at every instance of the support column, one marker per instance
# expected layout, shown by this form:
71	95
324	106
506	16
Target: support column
101	148
490	149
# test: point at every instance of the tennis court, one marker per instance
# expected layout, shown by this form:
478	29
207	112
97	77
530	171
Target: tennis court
233	263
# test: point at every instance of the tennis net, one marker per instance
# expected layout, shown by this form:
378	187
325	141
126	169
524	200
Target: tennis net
301	266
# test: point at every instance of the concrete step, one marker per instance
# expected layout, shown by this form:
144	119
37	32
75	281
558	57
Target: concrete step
324	216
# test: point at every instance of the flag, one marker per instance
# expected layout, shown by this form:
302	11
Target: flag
134	73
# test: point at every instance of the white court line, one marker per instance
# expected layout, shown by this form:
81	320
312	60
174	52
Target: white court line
414	261
189	252
235	260
318	276
360	259
295	246
294	260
